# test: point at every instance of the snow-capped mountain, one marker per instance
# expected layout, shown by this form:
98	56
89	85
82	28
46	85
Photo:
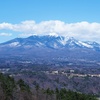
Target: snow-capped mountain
50	48
50	42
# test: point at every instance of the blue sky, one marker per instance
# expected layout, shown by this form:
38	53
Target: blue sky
30	14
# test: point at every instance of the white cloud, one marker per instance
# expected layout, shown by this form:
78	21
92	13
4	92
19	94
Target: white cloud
80	30
6	26
5	34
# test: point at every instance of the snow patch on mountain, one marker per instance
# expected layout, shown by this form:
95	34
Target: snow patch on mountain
14	44
62	41
85	44
55	45
39	44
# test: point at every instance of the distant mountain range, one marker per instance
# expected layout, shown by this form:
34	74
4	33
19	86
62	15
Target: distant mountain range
50	42
51	48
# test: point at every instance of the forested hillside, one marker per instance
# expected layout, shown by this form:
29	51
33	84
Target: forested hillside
19	90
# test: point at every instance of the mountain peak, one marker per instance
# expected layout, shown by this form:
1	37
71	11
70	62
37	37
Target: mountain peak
48	41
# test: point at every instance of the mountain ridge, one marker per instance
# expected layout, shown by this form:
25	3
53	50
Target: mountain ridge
54	42
49	49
